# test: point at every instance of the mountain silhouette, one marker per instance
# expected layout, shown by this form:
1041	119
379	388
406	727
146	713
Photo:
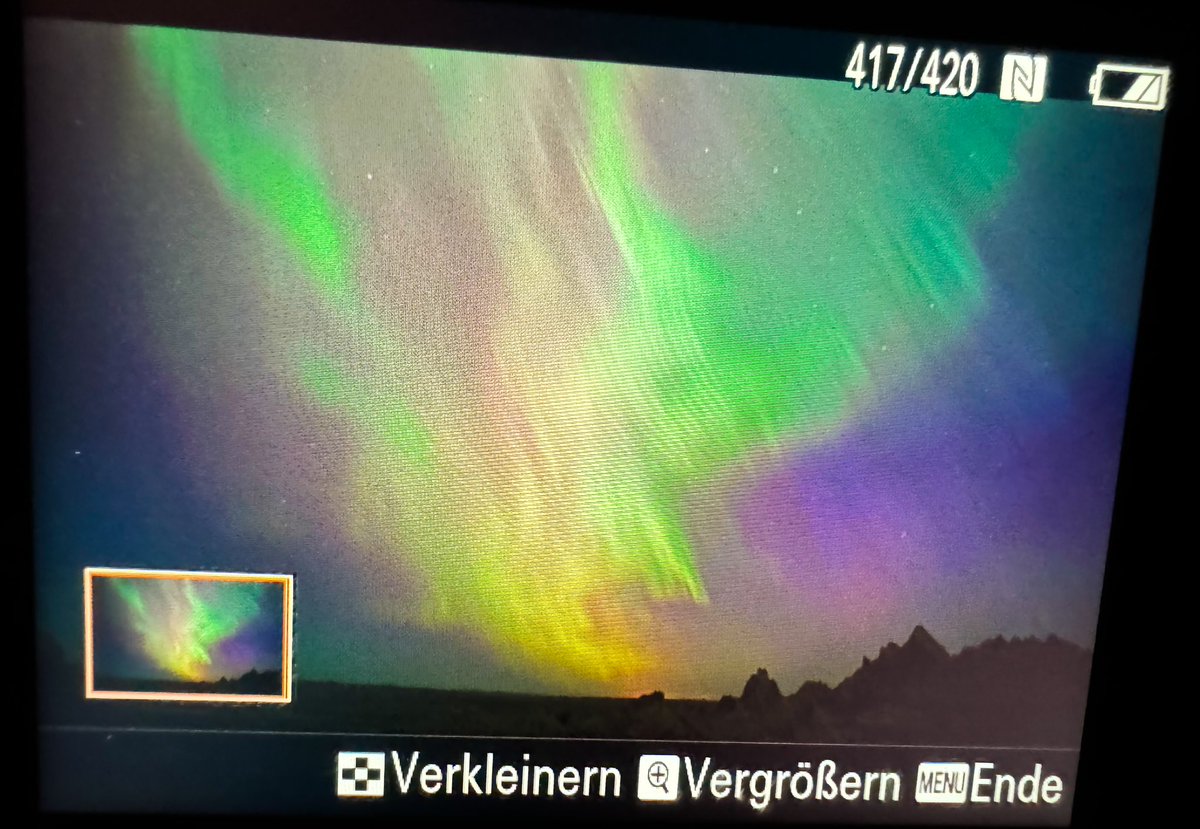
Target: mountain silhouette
761	691
909	667
1000	692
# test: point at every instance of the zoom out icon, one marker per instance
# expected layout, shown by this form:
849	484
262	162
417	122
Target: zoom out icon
658	778
360	773
1023	78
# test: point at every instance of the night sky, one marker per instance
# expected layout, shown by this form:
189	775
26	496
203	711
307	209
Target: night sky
581	377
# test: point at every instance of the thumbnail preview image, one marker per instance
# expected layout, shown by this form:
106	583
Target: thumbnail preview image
174	634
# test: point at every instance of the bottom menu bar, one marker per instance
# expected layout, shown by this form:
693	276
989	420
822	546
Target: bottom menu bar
178	771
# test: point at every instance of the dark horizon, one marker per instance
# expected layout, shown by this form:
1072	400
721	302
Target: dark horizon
919	635
997	692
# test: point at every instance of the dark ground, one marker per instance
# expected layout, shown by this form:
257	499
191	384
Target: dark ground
1002	692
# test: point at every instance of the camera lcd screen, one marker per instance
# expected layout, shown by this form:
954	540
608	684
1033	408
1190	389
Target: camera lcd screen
425	430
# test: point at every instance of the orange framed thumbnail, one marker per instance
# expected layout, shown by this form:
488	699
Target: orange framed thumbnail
90	574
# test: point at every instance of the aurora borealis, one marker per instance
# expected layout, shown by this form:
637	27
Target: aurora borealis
186	629
579	376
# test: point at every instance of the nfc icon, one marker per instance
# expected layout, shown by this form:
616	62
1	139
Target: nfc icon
1023	78
360	774
658	777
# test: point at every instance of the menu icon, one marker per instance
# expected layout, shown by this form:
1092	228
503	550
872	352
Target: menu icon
943	782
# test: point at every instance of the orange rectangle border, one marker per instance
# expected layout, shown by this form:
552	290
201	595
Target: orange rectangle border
90	690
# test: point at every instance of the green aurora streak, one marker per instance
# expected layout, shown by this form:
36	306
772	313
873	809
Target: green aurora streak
711	355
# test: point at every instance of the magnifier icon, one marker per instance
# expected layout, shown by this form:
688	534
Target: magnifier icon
658	775
658	778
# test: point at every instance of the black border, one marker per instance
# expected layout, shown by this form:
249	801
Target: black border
1128	716
650	33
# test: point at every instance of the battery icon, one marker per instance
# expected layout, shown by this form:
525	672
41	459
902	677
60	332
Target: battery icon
1129	87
